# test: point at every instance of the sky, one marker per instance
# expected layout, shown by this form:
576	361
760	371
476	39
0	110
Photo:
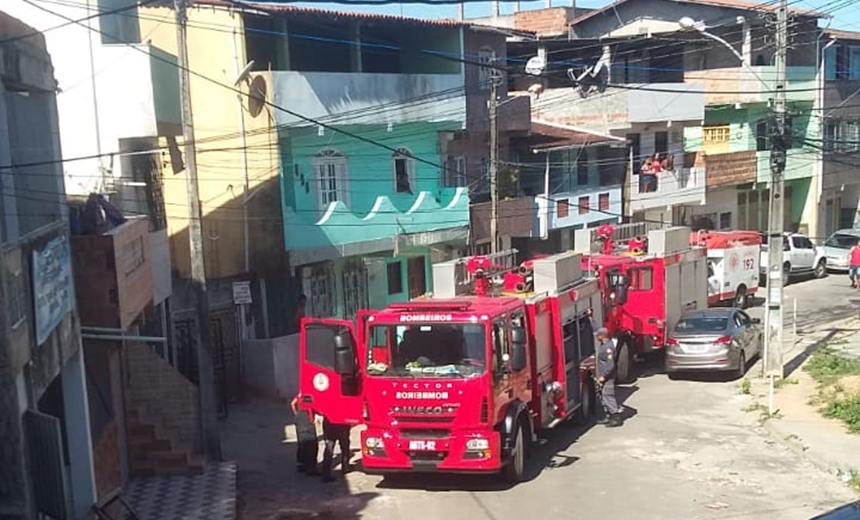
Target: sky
845	16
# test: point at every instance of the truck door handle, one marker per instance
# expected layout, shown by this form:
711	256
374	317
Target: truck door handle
307	398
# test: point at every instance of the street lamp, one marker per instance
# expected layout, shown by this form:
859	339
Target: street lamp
688	24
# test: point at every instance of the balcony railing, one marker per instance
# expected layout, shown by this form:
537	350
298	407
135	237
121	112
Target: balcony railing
578	208
618	108
367	98
669	188
731	85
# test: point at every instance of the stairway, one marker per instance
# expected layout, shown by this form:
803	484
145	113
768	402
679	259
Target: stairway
156	449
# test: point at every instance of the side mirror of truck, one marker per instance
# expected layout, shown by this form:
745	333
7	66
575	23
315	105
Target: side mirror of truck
619	295
344	355
518	349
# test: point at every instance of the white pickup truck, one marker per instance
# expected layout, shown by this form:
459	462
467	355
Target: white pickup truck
800	256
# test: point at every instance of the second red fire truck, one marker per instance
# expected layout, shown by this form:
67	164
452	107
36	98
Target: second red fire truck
461	381
660	276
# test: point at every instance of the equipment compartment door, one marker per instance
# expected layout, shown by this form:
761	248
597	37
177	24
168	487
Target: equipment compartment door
326	392
572	360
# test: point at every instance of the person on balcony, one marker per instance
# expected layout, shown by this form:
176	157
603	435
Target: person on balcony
648	176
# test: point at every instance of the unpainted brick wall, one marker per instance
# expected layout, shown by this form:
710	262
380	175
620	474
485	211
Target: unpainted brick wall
166	392
544	21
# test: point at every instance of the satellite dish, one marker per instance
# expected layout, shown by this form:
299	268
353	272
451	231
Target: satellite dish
244	74
536	66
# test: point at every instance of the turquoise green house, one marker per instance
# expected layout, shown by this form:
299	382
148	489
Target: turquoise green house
364	219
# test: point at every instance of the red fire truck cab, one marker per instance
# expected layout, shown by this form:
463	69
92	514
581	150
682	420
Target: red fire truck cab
460	381
661	276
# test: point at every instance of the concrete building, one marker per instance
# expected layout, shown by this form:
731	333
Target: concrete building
46	450
361	164
682	94
839	142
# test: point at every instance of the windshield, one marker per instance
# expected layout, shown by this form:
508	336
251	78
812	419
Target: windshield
841	241
431	350
695	324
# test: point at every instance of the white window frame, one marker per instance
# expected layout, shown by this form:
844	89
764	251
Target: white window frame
329	164
830	139
716	134
404	154
851	136
455	171
486	56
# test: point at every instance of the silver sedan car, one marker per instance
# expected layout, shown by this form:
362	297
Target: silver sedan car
713	340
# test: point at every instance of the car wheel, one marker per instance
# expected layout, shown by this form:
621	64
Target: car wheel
741	298
742	366
586	407
820	269
516	468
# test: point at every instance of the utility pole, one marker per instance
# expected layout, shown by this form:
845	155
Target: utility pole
774	319
206	368
495	80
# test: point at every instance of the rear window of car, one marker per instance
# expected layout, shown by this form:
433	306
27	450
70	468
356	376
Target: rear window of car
702	324
842	241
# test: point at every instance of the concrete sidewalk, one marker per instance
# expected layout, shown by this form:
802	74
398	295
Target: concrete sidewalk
799	424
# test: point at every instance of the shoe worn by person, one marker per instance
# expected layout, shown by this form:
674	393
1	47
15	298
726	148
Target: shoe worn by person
603	419
614	421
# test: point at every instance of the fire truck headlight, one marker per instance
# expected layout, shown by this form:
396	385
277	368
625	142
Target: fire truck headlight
477	444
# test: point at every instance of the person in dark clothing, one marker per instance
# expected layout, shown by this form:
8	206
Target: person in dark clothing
307	445
606	377
335	433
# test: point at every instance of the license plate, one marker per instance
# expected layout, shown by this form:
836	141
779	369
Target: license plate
694	349
422	445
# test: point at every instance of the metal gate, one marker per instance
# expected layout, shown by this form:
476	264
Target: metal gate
45	451
318	282
355	295
224	336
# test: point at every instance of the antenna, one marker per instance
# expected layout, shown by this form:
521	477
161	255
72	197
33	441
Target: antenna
243	76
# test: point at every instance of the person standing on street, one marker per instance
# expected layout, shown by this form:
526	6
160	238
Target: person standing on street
606	377
335	434
307	444
854	265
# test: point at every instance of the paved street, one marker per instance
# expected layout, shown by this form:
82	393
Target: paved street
690	452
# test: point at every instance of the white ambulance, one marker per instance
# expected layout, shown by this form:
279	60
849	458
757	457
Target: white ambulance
733	264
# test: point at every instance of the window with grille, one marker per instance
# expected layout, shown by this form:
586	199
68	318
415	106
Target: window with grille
486	57
851	137
716	134
330	169
584	206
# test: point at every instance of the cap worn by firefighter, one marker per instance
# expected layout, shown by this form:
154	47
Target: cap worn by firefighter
602	331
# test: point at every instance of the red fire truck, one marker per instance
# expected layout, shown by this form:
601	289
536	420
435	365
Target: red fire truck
660	275
733	264
462	380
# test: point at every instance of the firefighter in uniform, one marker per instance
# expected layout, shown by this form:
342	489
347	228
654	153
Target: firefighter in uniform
606	377
335	434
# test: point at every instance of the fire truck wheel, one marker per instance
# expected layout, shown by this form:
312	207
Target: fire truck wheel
741	297
624	364
515	469
586	408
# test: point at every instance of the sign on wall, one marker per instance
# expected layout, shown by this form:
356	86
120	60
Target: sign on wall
52	286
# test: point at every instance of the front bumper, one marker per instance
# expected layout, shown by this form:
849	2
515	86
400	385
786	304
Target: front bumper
708	361
839	265
449	454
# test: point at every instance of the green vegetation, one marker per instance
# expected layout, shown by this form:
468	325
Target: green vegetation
854	481
779	383
827	366
839	387
746	386
763	415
